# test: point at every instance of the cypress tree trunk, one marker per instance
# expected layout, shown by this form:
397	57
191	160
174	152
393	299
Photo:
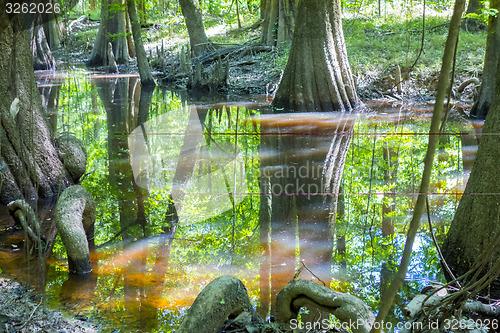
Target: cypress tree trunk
42	56
279	20
483	103
474	7
30	167
52	31
476	222
197	37
317	76
112	29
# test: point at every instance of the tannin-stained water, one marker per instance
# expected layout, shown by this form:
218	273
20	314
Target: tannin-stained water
187	191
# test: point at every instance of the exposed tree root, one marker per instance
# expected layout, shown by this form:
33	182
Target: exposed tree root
226	297
72	153
75	217
320	301
22	213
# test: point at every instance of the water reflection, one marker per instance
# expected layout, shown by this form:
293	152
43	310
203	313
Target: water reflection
302	159
198	191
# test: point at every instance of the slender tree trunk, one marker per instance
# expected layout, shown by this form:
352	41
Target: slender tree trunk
197	37
443	84
142	59
389	201
279	21
130	41
488	86
324	81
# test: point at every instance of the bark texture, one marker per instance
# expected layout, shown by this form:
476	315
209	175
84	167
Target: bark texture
142	59
75	217
112	29
197	37
29	167
42	56
223	297
279	21
491	57
476	222
73	154
317	76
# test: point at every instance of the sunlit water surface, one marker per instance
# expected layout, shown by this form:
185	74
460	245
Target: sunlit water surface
244	192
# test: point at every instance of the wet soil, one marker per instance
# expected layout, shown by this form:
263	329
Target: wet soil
22	310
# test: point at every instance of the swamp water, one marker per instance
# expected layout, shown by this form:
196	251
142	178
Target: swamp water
189	191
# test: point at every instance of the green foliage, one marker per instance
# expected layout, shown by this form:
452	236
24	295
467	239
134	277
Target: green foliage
485	13
375	46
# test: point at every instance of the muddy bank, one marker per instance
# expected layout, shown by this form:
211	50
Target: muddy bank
22	310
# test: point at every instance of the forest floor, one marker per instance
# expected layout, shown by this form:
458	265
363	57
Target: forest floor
23	311
376	50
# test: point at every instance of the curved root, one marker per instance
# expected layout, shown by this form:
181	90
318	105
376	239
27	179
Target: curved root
320	301
224	297
22	213
75	217
72	153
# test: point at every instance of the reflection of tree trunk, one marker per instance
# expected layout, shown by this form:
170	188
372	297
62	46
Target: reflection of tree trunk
139	294
389	200
265	241
117	98
386	275
469	149
78	290
340	230
304	171
50	102
193	139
